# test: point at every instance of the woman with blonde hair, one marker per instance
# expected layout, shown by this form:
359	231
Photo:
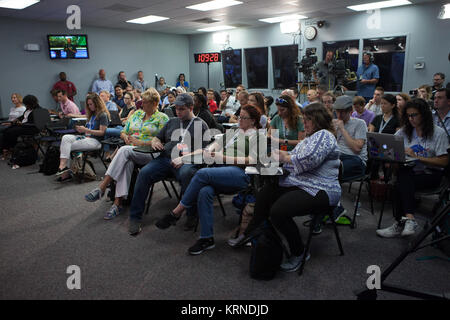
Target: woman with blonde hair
140	129
97	121
16	111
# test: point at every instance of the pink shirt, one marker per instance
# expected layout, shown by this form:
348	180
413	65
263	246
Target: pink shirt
69	107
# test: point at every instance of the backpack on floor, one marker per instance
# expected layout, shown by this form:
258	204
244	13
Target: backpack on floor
77	168
51	161
266	254
24	154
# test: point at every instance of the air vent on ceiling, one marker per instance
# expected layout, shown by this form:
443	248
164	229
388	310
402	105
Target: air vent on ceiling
206	20
240	25
122	8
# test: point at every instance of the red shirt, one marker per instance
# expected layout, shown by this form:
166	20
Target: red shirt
212	106
67	86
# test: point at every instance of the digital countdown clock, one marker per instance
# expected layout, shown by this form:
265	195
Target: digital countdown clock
207	57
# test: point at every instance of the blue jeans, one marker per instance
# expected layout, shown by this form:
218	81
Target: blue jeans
157	170
353	166
111	132
204	186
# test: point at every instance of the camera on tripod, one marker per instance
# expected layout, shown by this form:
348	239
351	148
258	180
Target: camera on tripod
306	64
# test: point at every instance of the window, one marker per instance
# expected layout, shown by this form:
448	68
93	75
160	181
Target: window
285	73
389	56
349	51
232	67
257	67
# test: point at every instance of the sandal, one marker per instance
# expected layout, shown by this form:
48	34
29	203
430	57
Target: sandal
94	195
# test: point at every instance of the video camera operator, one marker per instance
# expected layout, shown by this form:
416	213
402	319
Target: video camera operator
322	73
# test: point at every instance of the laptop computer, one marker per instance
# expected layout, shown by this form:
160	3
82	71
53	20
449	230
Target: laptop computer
387	147
115	119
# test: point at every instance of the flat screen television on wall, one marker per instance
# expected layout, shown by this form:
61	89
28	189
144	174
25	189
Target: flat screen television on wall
68	46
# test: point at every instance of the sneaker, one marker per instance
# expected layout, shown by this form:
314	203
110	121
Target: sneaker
317	229
201	245
134	227
293	263
112	212
191	222
338	212
391	232
167	221
410	227
239	241
94	195
62	171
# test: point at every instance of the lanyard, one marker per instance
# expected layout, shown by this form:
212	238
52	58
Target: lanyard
285	129
185	130
91	123
383	123
233	140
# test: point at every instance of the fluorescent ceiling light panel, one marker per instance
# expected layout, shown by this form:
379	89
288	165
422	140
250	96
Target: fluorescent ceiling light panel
218	28
445	12
17	4
379	5
147	19
283	18
214	5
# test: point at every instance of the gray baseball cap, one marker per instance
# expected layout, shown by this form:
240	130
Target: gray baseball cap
184	99
342	103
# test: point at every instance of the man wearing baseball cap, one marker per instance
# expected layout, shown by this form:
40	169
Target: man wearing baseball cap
352	141
190	133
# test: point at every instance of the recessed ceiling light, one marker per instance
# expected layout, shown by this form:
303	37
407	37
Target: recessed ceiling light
283	18
218	28
214	5
17	4
379	5
147	19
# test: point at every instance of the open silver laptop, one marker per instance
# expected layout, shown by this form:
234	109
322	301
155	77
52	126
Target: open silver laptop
387	147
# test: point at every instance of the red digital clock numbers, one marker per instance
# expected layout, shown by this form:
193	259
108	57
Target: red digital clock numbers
207	57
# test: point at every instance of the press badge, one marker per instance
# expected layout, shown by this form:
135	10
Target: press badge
283	147
183	148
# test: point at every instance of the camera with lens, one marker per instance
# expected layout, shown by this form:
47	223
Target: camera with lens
308	61
413	93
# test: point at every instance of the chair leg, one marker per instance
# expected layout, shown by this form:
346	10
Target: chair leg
175	191
167	189
338	239
221	205
308	244
84	166
352	225
350	187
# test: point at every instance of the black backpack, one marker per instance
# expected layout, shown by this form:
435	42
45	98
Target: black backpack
24	154
267	253
51	161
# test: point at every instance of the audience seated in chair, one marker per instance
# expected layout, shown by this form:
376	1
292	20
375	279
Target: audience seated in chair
238	149
106	97
23	125
15	112
310	187
427	143
352	142
288	122
90	135
139	130
192	132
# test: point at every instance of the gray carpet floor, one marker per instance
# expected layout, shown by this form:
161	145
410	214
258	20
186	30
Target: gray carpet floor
47	226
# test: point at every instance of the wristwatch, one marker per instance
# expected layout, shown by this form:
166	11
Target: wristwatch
286	141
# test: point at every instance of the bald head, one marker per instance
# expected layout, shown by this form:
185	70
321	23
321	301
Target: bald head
102	74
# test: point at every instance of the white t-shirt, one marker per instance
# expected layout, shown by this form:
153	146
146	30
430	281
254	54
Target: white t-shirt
15	113
428	148
375	108
25	116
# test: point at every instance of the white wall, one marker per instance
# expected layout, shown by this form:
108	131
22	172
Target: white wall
428	40
112	49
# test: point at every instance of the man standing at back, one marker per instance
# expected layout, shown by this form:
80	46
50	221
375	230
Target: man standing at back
321	72
368	76
102	84
438	83
140	83
67	86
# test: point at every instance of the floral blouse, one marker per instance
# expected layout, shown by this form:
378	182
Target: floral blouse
145	130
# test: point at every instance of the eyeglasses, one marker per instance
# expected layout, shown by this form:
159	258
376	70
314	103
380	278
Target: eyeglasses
280	101
243	118
412	115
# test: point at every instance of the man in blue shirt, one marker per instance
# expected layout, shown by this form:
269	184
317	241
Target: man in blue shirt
118	99
368	76
102	84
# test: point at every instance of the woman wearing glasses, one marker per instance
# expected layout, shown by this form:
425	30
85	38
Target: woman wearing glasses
288	122
231	154
428	144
